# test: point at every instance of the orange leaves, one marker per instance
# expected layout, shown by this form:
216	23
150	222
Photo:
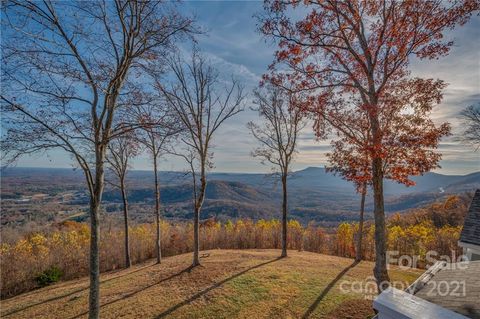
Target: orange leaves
296	50
406	136
308	26
282	55
452	202
292	53
360	56
434	50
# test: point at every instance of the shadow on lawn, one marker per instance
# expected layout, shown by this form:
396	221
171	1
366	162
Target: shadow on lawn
188	269
327	289
71	293
216	285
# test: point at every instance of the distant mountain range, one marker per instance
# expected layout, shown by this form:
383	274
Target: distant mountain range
316	178
314	195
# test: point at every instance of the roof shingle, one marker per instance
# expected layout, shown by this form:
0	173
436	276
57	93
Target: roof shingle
471	227
455	287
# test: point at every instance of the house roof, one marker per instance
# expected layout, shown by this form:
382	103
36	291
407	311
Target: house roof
444	291
471	227
456	286
399	304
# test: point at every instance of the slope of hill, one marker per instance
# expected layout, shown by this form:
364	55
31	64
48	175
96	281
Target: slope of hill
229	284
177	193
465	183
224	200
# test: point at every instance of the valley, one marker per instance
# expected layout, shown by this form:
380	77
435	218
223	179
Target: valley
55	195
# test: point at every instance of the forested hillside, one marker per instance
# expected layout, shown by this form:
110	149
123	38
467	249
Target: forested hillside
314	196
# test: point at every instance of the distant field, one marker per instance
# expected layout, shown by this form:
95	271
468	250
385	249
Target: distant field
229	284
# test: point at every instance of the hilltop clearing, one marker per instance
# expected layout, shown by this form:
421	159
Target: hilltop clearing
228	284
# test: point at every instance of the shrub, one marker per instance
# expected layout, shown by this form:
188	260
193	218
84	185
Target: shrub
49	276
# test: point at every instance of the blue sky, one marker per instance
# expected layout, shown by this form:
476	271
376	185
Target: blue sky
234	47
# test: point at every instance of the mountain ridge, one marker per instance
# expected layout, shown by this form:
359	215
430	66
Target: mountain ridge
314	195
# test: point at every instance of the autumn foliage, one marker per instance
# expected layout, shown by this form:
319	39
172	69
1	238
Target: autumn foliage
436	227
352	60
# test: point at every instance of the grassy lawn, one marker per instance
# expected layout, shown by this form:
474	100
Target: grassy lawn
228	284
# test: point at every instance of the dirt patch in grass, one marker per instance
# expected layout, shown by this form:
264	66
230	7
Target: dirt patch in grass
352	309
229	284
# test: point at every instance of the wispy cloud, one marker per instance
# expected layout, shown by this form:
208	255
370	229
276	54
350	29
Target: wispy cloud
235	48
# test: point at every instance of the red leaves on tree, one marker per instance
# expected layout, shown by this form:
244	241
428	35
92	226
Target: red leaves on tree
351	57
409	136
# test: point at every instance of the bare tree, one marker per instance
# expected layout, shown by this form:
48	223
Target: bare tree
278	138
471	119
352	163
65	66
158	131
121	150
202	105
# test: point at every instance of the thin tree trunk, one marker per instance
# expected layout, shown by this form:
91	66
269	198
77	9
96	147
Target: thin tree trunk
196	222
95	201
128	262
284	216
94	304
196	239
359	254
158	247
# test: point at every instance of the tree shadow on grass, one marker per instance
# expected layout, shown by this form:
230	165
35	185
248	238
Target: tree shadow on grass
133	293
214	286
327	289
71	293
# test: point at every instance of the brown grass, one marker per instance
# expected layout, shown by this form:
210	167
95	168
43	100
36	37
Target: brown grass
229	284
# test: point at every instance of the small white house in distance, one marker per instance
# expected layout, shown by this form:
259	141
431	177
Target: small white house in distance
445	290
470	236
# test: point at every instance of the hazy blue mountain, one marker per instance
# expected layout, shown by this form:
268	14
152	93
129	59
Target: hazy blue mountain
316	178
314	195
311	178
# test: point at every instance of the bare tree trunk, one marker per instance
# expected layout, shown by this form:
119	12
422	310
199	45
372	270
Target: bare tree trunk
94	260
196	222
128	262
196	239
359	254
95	201
94	304
158	247
284	215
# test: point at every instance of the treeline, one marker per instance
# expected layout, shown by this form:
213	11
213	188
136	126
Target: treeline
62	252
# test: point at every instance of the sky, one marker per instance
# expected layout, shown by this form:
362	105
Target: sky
233	46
